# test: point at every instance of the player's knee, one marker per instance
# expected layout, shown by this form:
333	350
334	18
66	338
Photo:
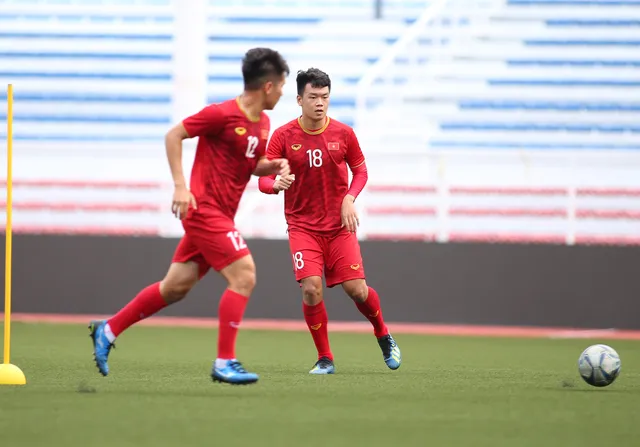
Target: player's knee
243	282
312	291
357	290
179	281
173	292
241	276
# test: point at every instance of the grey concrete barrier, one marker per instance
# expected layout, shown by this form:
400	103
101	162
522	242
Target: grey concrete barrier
524	285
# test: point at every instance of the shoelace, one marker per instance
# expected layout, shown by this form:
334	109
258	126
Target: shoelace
237	366
389	344
324	363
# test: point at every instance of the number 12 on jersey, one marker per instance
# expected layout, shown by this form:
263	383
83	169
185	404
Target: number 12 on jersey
252	144
237	240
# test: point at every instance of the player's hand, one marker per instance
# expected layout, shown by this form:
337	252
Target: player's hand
284	182
349	215
280	166
182	200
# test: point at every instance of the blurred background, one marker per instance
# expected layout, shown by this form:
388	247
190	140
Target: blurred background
502	139
483	121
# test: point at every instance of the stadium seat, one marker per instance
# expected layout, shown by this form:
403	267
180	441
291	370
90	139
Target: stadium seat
95	85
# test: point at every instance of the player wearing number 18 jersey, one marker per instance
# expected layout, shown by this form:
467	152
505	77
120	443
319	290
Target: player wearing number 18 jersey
321	216
232	139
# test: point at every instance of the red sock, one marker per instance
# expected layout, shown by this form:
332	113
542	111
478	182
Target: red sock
146	303
230	312
372	310
317	319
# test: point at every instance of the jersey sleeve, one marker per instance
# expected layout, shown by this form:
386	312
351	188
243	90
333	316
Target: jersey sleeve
354	154
208	121
275	148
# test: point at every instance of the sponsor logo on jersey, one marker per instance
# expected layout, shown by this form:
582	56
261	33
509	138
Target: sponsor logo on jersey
240	130
334	146
296	147
355	266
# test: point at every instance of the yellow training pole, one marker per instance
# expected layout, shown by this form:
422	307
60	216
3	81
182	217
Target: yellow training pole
8	247
9	374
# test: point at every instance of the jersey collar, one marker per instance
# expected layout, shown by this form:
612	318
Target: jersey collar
314	132
253	120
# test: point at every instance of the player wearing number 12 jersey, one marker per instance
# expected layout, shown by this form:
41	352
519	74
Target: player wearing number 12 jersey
231	148
321	216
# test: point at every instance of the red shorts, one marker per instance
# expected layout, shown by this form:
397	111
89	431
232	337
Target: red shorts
210	247
338	255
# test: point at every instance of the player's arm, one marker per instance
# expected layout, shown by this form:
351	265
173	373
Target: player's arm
356	162
275	167
209	120
274	183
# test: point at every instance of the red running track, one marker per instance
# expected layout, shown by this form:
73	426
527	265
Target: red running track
356	327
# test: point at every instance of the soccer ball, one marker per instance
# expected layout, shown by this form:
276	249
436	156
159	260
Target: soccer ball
599	365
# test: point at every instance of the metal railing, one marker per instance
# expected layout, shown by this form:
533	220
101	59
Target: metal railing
416	61
382	69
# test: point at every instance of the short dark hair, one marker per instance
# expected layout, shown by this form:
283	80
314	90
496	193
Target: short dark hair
260	64
317	78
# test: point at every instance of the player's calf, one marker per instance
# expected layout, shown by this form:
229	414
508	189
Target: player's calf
356	289
315	315
368	303
179	280
241	279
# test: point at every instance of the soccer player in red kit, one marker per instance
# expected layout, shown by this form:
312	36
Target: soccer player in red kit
321	216
231	148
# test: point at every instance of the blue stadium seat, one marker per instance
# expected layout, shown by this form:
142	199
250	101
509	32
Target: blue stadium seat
605	3
574	62
538	127
530	145
87	71
548	105
542	74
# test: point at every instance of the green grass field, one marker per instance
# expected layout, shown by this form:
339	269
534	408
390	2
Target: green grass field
449	392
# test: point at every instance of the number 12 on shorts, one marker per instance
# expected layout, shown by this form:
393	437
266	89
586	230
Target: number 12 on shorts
237	240
298	262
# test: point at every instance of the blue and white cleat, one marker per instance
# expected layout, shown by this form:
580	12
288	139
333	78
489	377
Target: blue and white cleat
101	345
323	366
233	373
390	351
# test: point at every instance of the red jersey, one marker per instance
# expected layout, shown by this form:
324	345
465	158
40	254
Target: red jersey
319	159
229	147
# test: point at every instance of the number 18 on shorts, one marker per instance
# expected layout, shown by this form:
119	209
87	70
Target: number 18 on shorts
337	256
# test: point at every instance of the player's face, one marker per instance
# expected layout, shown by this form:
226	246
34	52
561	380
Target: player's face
273	92
314	102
